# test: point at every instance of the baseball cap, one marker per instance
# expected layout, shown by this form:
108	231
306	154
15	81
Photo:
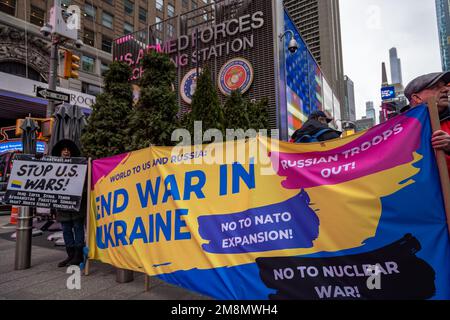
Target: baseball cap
320	114
425	82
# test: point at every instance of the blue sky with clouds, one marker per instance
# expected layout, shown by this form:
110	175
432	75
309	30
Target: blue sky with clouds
371	27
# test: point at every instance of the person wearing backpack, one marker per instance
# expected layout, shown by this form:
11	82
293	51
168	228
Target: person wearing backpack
316	129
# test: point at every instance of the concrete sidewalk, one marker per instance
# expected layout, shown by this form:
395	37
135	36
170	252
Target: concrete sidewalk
44	281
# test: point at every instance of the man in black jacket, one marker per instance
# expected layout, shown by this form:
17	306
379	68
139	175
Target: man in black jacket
315	129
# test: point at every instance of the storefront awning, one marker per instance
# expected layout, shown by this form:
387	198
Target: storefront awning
15	106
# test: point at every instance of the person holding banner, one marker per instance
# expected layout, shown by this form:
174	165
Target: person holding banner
72	222
421	90
315	129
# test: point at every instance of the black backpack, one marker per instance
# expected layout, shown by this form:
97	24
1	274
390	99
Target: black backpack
306	138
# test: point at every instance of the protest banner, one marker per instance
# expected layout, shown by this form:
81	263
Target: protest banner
356	218
49	182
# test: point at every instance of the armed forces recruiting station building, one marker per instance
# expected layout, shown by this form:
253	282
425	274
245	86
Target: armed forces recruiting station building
240	42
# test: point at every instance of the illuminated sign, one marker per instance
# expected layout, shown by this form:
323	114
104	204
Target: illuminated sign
17	146
216	37
306	89
388	93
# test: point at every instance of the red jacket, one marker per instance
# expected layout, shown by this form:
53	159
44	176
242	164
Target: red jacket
445	126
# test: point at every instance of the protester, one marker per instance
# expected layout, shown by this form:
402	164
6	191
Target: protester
72	222
315	129
425	87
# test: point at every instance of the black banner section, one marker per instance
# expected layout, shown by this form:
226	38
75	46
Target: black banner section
48	182
390	273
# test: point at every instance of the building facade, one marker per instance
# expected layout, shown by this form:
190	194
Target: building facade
319	24
24	52
239	43
350	108
443	18
364	124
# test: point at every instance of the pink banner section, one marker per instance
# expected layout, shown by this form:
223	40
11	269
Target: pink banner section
386	146
102	167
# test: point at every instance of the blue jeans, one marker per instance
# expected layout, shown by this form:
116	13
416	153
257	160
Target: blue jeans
73	233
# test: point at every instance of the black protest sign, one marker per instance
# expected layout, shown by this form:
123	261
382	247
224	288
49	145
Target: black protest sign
390	273
50	182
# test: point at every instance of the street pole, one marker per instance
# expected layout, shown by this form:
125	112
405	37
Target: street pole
440	159
24	231
124	276
23	239
53	74
198	51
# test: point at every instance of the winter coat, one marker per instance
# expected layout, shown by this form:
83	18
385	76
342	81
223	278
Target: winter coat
69	216
65	215
312	127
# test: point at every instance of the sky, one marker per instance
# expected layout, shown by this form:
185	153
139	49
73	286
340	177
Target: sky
371	27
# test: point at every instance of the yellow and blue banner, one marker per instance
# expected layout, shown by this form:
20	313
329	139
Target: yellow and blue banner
355	218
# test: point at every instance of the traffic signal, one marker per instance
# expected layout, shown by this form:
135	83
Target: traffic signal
71	65
45	127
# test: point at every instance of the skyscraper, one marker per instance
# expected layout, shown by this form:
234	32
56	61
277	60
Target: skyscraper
392	93
370	111
443	18
349	112
384	78
320	27
396	67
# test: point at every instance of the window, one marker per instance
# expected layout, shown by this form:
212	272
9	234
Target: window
8	6
194	5
103	68
65	3
91	89
37	16
90	11
107	20
111	2
142	36
128	6
158	24
159	5
20	70
106	44
185	4
170	30
88	64
127	28
142	14
170	10
89	37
